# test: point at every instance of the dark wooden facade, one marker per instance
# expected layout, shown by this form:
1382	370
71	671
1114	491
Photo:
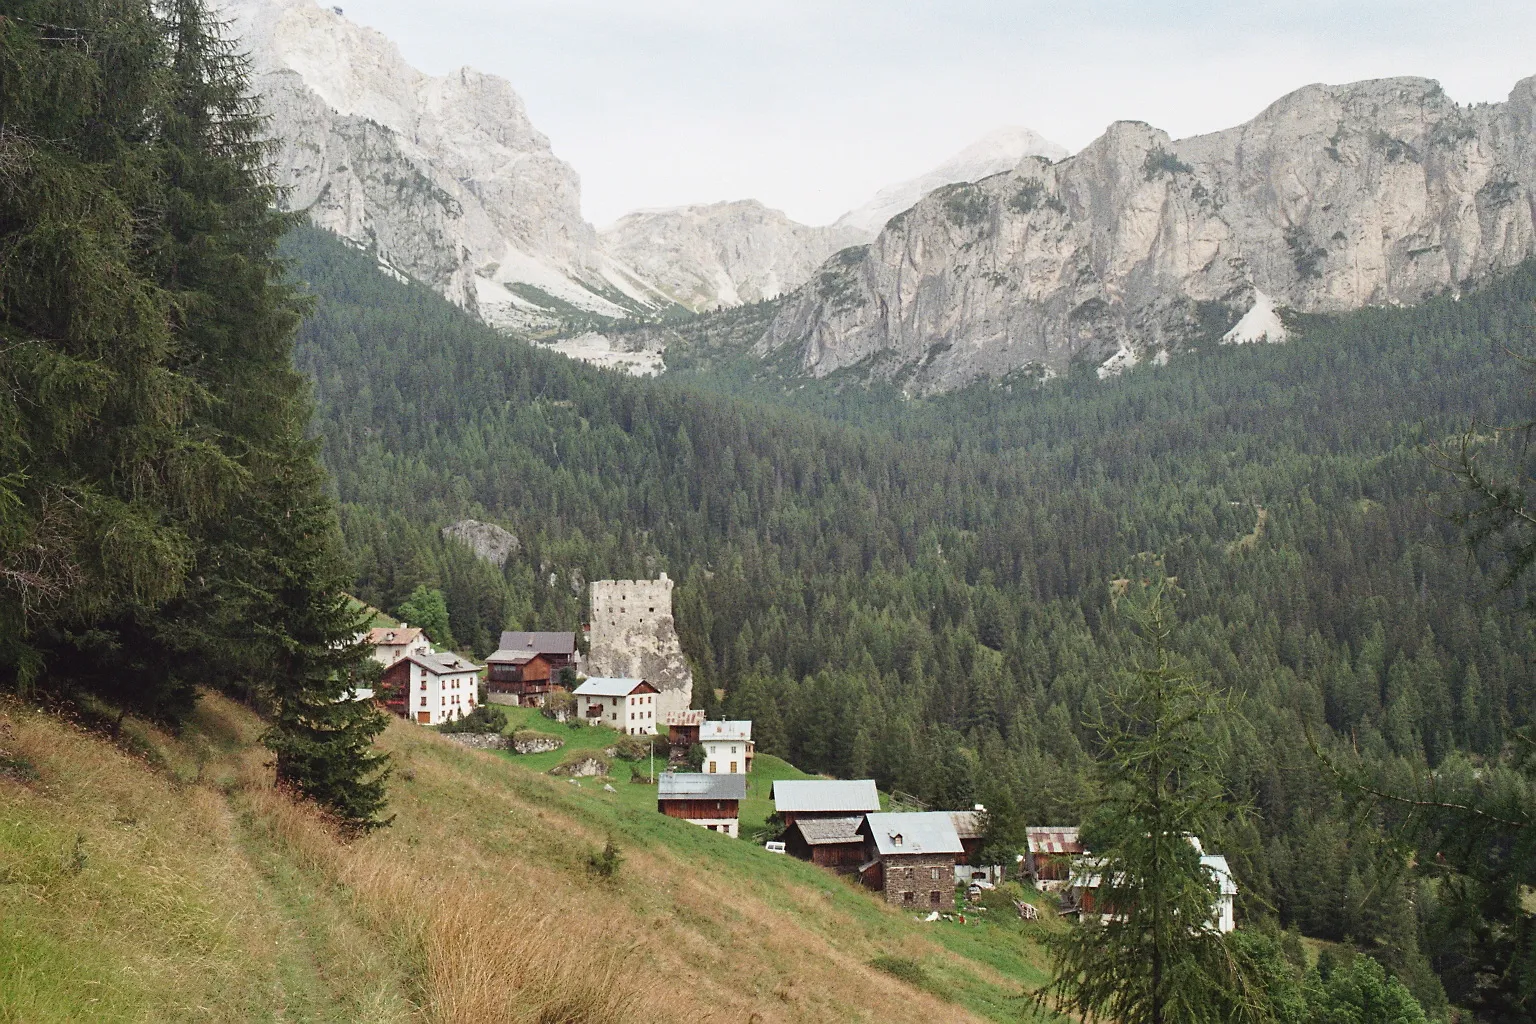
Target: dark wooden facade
526	681
694	809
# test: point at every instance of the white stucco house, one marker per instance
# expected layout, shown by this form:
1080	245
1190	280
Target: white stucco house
432	688
391	643
727	747
628	705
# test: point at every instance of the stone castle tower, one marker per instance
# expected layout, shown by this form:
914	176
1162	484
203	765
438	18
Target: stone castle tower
633	636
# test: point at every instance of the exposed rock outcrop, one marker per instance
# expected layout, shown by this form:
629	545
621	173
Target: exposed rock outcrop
724	254
489	542
1335	197
634	637
445	178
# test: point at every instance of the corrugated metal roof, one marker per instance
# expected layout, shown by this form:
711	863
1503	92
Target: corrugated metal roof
609	687
1053	839
809	796
914	832
725	731
698	786
540	643
825	831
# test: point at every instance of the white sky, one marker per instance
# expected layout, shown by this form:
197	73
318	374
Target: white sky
812	105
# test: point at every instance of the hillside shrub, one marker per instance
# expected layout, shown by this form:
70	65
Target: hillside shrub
605	863
485	718
911	972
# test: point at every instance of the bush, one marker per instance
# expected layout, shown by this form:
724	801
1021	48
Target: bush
637	748
485	718
558	706
696	757
605	864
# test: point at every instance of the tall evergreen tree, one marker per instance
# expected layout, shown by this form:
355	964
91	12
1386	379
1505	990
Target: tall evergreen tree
1148	952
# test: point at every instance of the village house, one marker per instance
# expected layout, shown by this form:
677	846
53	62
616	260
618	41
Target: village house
431	688
799	799
558	649
832	843
683	728
970	826
1087	879
912	858
727	747
628	705
519	678
713	801
1049	853
391	643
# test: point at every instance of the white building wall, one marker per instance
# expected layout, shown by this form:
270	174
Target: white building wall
446	697
726	826
721	755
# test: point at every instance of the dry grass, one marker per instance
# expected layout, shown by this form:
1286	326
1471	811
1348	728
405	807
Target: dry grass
225	900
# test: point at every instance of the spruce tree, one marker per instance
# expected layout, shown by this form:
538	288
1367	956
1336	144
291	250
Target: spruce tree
1149	953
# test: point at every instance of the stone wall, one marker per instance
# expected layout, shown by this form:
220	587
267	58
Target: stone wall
481	740
911	875
634	636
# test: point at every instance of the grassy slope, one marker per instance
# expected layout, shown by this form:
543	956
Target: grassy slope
178	885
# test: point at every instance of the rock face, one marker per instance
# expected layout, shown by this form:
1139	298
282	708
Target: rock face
633	637
488	541
993	153
724	254
445	178
1335	197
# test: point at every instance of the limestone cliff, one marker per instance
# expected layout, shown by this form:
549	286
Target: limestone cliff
1335	197
723	254
445	178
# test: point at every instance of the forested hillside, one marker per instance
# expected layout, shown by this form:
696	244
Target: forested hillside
920	590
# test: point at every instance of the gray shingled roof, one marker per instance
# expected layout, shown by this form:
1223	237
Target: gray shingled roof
810	796
542	643
699	786
442	664
504	657
825	831
919	832
609	687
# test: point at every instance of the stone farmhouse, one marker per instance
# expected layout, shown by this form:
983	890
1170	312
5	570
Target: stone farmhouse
727	747
713	801
391	643
431	688
628	705
914	857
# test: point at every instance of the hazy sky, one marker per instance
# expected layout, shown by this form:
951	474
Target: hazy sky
811	105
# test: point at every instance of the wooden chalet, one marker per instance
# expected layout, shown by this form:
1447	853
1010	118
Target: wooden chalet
833	843
519	678
558	649
801	799
713	801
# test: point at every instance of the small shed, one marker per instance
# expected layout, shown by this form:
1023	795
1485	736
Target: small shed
713	801
1050	851
798	799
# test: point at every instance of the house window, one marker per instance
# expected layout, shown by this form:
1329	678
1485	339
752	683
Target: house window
712	767
909	897
935	897
934	873
733	767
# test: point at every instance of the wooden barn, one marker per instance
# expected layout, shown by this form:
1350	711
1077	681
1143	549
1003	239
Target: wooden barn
713	801
1050	852
833	843
519	678
800	799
